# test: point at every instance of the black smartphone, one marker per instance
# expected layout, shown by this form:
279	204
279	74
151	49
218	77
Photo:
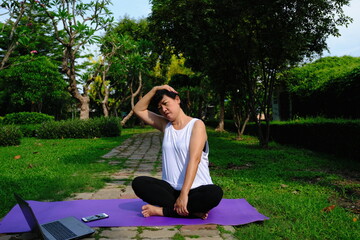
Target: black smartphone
95	217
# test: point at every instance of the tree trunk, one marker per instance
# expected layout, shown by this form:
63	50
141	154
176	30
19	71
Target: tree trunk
84	107
13	44
244	126
133	95
69	69
220	127
105	101
7	55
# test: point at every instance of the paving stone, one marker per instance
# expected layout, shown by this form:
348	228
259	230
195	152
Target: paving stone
128	196
122	175
113	163
228	236
119	183
199	227
128	190
107	194
136	174
201	233
205	238
158	233
79	196
6	237
25	236
119	233
229	229
140	156
208	230
123	155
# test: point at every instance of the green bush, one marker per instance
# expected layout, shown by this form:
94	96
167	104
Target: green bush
334	136
27	118
97	127
29	130
339	137
10	135
1	120
109	127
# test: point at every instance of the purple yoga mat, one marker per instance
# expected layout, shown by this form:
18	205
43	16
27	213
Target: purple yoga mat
126	213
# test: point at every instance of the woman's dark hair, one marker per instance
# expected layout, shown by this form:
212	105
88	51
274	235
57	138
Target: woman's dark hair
159	96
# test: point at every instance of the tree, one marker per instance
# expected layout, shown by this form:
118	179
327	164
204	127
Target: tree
12	32
311	76
325	87
283	33
75	24
130	63
32	81
246	44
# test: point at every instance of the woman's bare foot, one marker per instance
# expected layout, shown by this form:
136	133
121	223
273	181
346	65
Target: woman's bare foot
203	216
150	210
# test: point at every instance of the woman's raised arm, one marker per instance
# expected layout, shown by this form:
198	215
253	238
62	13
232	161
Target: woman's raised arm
141	109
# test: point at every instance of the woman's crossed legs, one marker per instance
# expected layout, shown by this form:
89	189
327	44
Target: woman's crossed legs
161	197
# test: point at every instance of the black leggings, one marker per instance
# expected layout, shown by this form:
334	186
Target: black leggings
160	193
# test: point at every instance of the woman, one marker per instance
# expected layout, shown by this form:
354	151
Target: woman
186	189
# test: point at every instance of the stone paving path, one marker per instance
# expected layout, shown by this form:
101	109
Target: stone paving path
142	157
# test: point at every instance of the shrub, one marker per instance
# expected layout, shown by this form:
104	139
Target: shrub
339	137
334	136
26	118
29	130
109	127
97	127
10	135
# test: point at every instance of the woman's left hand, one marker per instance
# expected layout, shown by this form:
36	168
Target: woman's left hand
180	205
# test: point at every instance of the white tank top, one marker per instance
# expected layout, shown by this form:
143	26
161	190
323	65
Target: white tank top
175	157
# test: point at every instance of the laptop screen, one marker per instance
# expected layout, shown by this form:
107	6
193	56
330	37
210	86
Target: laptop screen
29	215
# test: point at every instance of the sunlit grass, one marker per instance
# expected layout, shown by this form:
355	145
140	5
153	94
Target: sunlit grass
40	169
291	186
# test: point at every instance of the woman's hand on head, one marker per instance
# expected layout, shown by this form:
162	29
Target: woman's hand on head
165	87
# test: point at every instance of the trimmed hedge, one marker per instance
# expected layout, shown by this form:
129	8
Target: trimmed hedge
341	138
10	135
29	130
338	137
96	127
21	118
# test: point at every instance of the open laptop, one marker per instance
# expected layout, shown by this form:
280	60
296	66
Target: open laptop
62	229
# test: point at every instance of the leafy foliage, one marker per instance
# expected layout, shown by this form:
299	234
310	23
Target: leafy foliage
29	130
312	76
328	87
10	135
32	80
339	137
26	118
243	44
90	128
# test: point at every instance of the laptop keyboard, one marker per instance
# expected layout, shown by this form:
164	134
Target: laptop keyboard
58	230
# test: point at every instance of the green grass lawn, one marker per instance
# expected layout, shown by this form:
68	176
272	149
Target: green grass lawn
42	169
291	186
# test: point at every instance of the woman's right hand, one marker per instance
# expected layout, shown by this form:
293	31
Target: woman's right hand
164	87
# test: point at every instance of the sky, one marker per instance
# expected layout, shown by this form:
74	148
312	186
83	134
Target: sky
347	44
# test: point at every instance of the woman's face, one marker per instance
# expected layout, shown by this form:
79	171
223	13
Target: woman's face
169	108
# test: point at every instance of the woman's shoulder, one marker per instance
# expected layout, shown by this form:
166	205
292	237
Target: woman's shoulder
198	123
